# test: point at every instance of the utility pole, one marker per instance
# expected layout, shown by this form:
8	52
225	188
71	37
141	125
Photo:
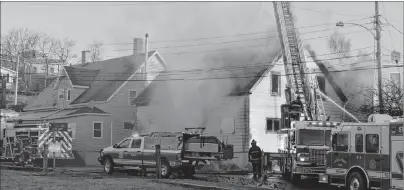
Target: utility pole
379	58
16	80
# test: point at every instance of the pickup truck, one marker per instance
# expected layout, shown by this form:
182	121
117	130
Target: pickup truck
179	152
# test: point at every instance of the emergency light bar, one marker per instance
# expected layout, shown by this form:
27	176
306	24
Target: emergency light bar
323	124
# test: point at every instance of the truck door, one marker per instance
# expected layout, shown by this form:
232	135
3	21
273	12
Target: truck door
397	153
376	157
120	150
340	153
134	155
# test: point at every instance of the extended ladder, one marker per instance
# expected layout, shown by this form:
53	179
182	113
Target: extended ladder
293	55
319	100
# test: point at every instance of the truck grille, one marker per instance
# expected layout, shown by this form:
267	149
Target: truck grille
317	156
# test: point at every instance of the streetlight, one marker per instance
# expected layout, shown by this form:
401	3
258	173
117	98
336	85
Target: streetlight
379	61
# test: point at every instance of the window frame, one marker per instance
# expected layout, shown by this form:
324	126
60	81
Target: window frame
334	148
129	145
273	124
130	98
123	123
69	94
279	92
356	144
133	140
102	129
61	92
52	70
378	144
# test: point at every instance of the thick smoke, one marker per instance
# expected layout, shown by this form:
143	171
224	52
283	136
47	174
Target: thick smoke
211	76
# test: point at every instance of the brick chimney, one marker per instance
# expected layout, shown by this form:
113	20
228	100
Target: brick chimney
84	56
137	46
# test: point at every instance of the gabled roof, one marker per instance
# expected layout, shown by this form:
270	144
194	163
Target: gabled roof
81	76
7	69
112	74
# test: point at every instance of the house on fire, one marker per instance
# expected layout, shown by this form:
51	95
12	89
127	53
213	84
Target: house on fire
97	100
251	110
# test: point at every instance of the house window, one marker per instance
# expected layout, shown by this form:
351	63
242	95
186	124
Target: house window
272	125
68	95
97	129
372	143
275	84
128	126
132	97
228	126
359	143
395	77
60	94
34	70
52	70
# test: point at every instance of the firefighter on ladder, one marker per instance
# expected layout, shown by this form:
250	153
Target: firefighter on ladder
296	108
255	156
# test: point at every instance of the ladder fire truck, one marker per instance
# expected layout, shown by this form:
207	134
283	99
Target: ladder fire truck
367	155
305	143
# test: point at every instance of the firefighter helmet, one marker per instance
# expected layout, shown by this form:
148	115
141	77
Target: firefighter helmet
253	142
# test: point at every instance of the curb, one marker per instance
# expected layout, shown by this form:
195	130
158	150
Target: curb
189	185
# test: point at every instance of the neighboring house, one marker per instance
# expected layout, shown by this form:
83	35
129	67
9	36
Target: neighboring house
251	110
97	100
11	77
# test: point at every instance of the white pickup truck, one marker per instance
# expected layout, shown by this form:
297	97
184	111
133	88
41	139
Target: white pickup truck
176	156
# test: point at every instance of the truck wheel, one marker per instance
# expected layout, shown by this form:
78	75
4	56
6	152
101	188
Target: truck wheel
356	182
108	166
165	169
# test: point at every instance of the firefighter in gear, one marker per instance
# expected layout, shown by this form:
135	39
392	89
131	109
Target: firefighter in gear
254	156
296	108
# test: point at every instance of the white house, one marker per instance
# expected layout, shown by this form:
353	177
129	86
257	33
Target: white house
11	74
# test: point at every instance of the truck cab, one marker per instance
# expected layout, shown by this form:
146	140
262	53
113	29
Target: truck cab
366	156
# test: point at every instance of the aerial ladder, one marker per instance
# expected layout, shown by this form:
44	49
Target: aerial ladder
300	82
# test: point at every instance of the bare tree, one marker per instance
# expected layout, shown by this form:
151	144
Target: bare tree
339	45
95	51
393	96
46	49
13	44
63	50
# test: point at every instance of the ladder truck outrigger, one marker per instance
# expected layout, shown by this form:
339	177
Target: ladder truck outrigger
305	131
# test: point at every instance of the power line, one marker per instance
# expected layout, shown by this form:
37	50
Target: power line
225	42
240	47
227	68
235	77
346	14
242	34
392	25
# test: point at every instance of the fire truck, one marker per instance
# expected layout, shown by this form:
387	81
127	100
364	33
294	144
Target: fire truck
306	130
366	155
23	141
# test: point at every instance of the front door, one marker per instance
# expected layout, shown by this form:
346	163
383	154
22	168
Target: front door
120	150
134	155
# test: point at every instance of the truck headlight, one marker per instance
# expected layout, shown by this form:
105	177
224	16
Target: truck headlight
303	157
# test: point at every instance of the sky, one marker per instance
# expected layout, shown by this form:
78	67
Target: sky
214	25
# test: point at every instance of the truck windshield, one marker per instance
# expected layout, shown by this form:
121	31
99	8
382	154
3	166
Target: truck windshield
313	137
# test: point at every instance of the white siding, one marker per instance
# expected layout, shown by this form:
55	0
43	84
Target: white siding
153	68
263	105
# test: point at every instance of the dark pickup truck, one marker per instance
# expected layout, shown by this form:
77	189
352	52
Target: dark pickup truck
179	152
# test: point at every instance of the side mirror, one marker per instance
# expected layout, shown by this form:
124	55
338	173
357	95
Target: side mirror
115	146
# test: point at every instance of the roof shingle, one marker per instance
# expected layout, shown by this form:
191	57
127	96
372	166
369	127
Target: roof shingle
112	74
81	76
